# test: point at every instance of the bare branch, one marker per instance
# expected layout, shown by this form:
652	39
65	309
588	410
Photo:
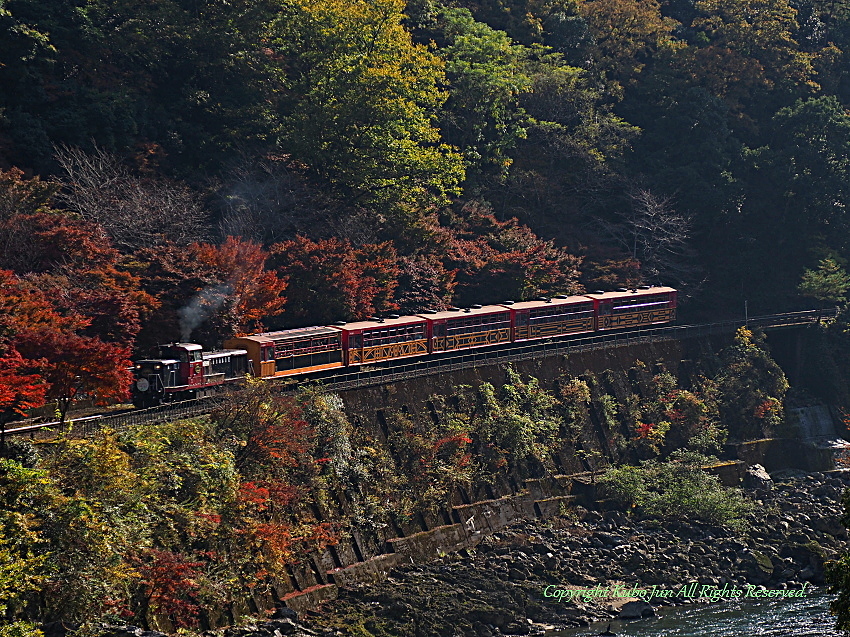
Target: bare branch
653	232
136	212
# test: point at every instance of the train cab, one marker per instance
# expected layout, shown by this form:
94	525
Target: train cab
153	380
191	367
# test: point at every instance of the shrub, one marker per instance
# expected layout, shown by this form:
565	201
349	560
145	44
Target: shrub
676	489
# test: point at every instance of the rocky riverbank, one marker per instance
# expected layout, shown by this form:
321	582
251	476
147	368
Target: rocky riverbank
586	566
501	586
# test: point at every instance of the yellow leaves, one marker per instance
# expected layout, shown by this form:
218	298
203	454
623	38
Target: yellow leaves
366	97
626	30
756	37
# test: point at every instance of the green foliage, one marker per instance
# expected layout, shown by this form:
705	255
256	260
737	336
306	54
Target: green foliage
676	489
751	387
574	400
20	629
433	459
828	283
22	560
486	75
362	104
517	425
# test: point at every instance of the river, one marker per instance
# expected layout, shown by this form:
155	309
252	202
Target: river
805	617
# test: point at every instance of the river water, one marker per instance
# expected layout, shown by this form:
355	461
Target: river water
804	617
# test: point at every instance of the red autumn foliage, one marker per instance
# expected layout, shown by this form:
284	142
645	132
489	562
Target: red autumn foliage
500	260
284	441
207	292
242	265
281	542
108	300
606	269
19	389
644	430
266	495
766	408
168	586
424	283
25	306
75	365
46	240
70	260
331	280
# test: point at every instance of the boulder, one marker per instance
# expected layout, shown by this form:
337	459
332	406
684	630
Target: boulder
757	567
756	477
636	610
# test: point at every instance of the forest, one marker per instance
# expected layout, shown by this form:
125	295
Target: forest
194	169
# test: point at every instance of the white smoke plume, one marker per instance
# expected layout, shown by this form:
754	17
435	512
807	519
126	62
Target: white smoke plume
202	306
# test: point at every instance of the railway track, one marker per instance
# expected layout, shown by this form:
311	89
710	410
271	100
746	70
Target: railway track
394	371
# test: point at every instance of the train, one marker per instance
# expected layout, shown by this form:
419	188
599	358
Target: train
185	371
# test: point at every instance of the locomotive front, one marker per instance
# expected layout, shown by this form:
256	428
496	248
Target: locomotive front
150	380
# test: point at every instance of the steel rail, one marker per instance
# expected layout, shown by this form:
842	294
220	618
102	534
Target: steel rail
394	371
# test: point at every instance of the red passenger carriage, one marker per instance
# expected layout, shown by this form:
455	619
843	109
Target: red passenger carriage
471	327
634	308
383	339
549	317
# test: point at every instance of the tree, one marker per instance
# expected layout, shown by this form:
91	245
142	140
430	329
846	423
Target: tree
750	49
241	265
23	196
486	76
626	33
331	280
168	586
76	366
504	258
751	388
654	233
19	389
22	556
186	78
70	260
795	193
208	292
135	212
828	283
423	283
270	200
360	104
